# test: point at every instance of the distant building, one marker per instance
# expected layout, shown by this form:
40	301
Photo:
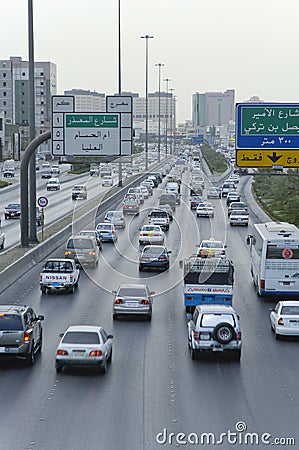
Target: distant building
14	93
86	100
213	108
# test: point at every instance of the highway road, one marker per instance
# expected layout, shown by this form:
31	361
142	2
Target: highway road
152	388
60	202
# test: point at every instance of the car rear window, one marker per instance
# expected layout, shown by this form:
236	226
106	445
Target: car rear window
212	319
81	337
290	310
58	266
153	250
10	322
80	243
132	292
159	214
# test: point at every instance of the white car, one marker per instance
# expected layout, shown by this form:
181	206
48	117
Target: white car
239	217
107	180
205	209
284	318
210	248
55	169
144	191
84	346
53	184
151	234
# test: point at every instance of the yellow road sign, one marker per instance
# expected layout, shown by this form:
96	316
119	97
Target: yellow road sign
267	158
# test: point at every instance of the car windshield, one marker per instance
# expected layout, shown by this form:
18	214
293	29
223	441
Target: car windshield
212	319
14	206
78	188
132	292
113	214
103	226
80	244
10	322
290	310
81	337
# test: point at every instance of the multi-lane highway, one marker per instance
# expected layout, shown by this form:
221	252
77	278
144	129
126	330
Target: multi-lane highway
152	390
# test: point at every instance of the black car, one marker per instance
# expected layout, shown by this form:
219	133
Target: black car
12	211
21	334
154	257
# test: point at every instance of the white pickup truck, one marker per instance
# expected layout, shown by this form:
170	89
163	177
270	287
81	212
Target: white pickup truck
59	274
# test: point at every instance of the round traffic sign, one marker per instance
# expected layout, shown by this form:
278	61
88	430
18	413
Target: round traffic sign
42	201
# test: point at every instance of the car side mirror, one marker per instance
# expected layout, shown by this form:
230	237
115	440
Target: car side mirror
180	264
271	309
110	336
114	292
61	335
152	292
40	317
238	316
169	251
225	246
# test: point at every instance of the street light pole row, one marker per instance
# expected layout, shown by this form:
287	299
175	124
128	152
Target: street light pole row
159	111
146	37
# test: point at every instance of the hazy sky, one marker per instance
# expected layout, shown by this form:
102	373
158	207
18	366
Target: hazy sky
206	45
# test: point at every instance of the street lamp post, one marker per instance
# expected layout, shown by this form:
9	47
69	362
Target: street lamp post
174	125
166	119
171	120
120	182
159	111
146	37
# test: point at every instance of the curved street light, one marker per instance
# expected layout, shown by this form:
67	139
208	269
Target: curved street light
146	37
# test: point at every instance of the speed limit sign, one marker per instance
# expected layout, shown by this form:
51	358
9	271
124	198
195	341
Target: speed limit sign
42	202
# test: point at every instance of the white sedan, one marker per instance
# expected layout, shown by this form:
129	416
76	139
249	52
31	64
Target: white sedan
205	209
239	217
84	346
151	234
284	318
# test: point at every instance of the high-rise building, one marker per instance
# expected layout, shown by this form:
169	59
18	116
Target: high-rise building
14	91
86	100
213	108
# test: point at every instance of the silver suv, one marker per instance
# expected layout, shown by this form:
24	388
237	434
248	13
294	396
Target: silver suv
21	333
214	328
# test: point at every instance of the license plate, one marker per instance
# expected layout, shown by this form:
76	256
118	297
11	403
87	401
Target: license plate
217	349
132	304
55	284
78	353
286	283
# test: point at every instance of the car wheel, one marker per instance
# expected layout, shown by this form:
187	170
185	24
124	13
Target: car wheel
224	333
104	367
40	344
30	358
236	354
140	268
2	246
43	289
6	216
110	357
114	317
59	369
72	289
77	283
193	353
277	336
149	317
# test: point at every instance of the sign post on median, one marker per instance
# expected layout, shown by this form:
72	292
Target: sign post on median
43	202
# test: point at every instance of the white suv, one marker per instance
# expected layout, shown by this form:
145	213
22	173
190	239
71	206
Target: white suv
214	328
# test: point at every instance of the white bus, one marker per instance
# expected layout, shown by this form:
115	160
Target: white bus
274	248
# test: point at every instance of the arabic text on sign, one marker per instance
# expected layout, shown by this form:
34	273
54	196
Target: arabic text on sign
270	121
91	121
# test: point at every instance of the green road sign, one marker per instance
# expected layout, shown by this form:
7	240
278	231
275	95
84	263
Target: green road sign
91	121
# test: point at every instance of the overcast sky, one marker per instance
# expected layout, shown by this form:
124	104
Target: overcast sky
206	45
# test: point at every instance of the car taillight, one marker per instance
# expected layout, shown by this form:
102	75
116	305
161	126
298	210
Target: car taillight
71	277
26	337
222	252
113	232
62	352
280	321
40	276
67	253
118	301
163	258
189	298
159	234
239	336
144	302
227	299
196	335
262	284
92	253
142	234
95	353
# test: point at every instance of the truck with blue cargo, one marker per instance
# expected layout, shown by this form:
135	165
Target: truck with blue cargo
207	281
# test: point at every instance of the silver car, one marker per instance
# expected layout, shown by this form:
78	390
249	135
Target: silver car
84	346
135	299
214	329
115	217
